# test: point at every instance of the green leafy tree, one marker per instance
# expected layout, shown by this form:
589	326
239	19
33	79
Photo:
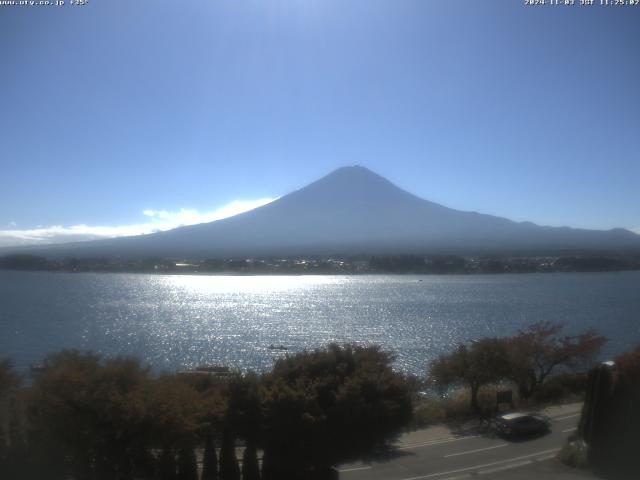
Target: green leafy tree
174	417
174	412
328	406
91	410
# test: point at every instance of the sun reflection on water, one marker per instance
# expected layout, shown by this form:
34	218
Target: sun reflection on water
249	284
178	321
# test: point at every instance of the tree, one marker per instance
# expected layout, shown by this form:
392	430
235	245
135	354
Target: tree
475	365
250	468
229	469
86	408
243	415
9	381
24	262
174	413
167	464
210	460
187	464
328	406
534	354
12	435
93	412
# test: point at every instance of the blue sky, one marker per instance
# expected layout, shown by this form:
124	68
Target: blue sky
129	115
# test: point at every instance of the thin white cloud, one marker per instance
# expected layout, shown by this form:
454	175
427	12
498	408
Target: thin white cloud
156	221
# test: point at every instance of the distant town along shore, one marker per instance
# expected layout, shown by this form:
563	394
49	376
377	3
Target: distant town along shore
328	265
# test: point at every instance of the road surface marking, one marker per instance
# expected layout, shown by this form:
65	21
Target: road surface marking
476	467
428	442
569	429
459	477
354	469
546	457
567	417
435	442
505	467
476	450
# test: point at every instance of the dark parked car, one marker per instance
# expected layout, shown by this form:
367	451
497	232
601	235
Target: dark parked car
520	424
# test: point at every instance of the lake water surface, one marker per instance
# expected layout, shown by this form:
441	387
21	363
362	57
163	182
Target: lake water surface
177	321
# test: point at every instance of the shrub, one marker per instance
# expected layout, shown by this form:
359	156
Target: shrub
428	412
457	404
574	454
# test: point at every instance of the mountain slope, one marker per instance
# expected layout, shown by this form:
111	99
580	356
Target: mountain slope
351	211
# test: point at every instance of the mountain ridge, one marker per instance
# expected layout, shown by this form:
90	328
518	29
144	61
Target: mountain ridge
352	210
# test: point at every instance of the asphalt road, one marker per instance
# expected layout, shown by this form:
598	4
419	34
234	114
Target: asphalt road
449	456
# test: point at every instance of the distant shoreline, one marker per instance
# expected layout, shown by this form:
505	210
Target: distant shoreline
331	265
